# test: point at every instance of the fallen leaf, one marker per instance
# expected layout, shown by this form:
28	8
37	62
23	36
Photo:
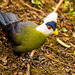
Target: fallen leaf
65	34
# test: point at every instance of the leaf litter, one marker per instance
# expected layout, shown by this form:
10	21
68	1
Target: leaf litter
52	58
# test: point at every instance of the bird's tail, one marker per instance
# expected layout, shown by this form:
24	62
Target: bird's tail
8	18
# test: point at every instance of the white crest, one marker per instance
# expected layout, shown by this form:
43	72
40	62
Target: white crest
43	28
51	17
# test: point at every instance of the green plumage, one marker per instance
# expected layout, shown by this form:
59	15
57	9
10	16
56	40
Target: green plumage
23	34
29	38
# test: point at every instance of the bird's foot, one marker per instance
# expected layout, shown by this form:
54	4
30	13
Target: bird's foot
23	59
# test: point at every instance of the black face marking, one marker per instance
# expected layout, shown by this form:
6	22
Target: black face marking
52	24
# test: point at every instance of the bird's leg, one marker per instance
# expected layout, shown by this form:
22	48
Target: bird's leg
24	56
28	64
23	59
32	54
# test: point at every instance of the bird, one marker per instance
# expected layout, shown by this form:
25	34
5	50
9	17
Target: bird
27	35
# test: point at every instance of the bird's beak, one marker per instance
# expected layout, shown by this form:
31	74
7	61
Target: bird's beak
55	32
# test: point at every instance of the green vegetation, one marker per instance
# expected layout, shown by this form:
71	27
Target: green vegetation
37	3
69	7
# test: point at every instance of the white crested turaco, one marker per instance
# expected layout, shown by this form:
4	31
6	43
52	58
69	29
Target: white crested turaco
27	35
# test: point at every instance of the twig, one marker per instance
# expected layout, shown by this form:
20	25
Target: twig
72	45
60	2
28	69
25	4
37	15
63	16
3	66
28	64
48	56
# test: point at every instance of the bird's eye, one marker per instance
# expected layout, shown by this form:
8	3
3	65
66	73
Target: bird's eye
49	27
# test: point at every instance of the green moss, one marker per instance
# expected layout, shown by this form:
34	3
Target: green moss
38	71
7	72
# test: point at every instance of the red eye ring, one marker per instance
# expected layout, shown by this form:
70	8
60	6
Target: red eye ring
49	27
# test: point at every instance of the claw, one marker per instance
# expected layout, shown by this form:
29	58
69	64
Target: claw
23	59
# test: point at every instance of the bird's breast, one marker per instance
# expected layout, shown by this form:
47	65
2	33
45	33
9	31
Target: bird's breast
30	38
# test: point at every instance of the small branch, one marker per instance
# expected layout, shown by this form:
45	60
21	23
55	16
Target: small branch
25	4
3	66
28	69
60	2
48	56
72	45
28	64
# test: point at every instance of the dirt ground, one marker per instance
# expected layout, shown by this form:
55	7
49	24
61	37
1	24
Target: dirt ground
52	58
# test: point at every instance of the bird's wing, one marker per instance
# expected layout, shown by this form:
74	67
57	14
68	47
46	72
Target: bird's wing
8	18
16	28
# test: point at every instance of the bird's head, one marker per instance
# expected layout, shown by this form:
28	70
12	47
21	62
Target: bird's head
49	25
52	27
